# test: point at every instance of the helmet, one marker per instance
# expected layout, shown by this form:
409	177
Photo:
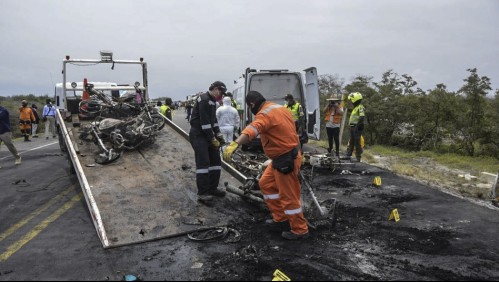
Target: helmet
354	97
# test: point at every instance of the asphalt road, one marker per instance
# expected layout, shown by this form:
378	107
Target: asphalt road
46	233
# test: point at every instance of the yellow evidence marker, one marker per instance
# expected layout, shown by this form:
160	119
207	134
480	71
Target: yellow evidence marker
377	181
280	276
394	215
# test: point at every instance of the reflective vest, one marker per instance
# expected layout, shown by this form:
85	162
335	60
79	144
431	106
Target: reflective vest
163	109
356	114
295	110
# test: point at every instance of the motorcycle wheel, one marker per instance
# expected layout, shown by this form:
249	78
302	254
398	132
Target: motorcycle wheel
159	120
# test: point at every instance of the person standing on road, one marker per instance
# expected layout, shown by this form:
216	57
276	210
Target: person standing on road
333	113
6	134
228	119
166	109
356	125
26	118
48	116
296	110
279	183
34	127
205	138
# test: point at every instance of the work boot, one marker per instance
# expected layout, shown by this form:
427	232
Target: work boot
292	236
26	138
358	159
278	224
217	193
205	199
18	160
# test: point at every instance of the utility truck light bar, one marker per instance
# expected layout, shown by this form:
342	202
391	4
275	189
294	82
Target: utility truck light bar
106	55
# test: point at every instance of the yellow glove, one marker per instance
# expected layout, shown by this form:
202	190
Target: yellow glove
215	143
229	150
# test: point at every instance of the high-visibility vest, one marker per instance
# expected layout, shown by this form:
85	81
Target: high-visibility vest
295	110
356	114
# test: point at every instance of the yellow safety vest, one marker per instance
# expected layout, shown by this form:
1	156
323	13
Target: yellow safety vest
163	109
295	110
356	114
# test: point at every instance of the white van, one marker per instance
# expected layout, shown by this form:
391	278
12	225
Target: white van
274	85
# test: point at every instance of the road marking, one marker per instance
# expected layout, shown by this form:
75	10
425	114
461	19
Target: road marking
31	150
12	249
35	213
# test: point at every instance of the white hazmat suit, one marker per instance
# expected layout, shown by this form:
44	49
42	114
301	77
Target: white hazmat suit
228	119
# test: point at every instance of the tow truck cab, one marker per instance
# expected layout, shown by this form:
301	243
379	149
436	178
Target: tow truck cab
274	85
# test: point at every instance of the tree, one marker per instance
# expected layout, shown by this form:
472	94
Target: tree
330	84
474	90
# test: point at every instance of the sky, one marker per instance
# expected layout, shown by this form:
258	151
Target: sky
188	44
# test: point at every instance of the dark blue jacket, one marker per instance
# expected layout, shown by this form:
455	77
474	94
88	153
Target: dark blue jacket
204	117
4	120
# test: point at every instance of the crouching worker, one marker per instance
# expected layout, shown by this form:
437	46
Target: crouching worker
279	183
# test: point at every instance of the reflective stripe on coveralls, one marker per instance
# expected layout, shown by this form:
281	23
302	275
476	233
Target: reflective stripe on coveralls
276	127
204	126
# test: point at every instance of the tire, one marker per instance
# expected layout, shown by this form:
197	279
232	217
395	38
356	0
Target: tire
159	120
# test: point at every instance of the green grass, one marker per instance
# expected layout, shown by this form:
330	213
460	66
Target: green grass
454	161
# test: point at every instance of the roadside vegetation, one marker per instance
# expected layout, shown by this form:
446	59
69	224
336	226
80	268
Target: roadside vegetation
12	104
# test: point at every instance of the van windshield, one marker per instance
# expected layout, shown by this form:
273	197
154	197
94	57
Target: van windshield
274	86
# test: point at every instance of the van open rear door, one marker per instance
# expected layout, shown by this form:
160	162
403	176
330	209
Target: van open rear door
312	103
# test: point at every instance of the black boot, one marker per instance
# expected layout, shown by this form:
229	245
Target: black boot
26	138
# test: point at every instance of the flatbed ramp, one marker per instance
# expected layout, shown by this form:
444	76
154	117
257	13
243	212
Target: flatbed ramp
146	194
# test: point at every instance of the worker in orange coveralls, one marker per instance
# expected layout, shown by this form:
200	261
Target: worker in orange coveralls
279	183
26	117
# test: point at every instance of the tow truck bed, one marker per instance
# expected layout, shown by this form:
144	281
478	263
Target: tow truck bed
145	194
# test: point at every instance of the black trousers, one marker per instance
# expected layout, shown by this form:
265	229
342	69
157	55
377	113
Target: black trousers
208	162
333	133
355	142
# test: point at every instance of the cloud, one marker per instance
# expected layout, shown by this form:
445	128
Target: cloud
191	43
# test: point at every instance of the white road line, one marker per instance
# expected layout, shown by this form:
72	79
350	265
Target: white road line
10	156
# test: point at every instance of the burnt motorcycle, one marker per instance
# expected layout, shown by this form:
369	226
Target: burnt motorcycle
114	135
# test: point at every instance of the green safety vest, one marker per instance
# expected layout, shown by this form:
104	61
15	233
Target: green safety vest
163	109
357	112
295	110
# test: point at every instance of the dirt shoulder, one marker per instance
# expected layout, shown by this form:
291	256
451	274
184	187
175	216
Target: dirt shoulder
458	183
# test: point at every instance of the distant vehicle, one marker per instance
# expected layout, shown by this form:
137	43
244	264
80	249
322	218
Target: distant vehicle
274	85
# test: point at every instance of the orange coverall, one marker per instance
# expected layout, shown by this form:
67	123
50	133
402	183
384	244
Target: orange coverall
26	117
281	192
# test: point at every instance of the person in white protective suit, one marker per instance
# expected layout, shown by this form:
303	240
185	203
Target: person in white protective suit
228	119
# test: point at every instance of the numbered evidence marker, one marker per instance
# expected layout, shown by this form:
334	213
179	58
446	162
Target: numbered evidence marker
280	276
394	215
377	181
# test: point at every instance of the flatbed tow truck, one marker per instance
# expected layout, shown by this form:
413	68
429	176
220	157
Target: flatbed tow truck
146	194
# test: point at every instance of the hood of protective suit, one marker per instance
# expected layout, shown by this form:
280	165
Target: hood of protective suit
227	101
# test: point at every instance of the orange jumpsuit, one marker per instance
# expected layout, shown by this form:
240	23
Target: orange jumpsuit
276	127
26	117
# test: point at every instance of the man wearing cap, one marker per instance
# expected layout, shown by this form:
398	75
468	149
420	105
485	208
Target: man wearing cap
6	134
297	111
26	118
205	138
